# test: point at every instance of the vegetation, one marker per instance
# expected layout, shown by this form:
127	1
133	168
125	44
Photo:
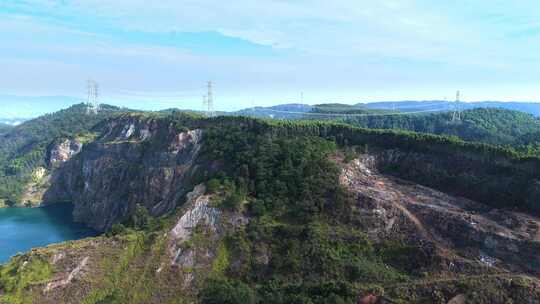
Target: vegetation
489	125
299	214
299	218
502	176
4	128
22	148
300	245
21	273
224	291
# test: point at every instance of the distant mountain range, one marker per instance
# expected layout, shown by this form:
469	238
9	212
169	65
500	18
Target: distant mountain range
434	105
17	109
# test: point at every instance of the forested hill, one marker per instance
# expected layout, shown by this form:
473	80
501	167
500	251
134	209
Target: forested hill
22	148
412	105
490	125
4	128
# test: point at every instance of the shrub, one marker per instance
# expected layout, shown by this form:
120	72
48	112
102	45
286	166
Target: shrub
116	229
213	185
224	291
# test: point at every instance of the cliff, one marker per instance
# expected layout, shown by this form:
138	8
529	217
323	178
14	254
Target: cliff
135	160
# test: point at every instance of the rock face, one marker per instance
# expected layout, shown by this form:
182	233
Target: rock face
197	212
135	161
196	239
62	150
465	236
194	259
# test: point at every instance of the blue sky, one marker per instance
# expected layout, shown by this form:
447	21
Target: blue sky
160	55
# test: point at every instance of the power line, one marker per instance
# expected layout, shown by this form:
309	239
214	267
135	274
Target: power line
411	106
354	115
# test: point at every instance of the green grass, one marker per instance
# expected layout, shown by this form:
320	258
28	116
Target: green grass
19	274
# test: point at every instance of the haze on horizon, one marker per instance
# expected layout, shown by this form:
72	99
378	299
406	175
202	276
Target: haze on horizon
263	53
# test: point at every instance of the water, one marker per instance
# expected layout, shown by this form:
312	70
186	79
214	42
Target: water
24	228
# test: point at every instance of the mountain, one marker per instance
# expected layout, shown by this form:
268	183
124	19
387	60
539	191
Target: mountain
406	106
242	210
4	128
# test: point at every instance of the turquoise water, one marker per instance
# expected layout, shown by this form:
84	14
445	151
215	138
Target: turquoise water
24	228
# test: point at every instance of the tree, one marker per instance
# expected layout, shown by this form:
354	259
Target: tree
224	291
141	217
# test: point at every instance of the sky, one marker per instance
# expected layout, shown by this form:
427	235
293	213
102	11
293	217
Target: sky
160	54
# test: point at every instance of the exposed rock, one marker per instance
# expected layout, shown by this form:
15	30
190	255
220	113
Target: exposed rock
459	230
62	150
135	161
57	257
196	239
36	188
459	299
197	211
494	289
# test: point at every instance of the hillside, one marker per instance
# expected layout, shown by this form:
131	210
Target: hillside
239	210
4	128
490	125
22	148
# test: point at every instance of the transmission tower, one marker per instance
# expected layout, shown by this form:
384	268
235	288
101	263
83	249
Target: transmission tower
208	100
92	105
456	114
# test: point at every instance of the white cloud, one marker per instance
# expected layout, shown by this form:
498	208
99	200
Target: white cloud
341	45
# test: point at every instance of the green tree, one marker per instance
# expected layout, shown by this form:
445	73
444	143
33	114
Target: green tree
224	291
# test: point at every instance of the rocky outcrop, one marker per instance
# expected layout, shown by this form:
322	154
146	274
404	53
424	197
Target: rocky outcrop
198	211
61	151
196	239
58	153
136	160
